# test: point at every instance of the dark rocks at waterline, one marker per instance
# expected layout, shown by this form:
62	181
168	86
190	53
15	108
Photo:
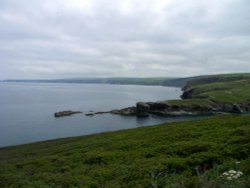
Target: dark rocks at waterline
158	105
89	114
142	107
130	111
66	113
165	109
95	113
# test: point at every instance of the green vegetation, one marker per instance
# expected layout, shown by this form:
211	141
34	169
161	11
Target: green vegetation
211	91
235	91
191	154
216	78
185	154
231	92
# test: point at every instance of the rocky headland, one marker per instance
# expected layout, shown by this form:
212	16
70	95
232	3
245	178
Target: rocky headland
144	109
204	96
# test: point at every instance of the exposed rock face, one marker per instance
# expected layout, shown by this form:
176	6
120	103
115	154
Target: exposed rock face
234	108
227	107
237	108
142	107
187	93
165	109
66	113
157	105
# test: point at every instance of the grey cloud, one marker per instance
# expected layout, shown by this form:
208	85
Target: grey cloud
56	39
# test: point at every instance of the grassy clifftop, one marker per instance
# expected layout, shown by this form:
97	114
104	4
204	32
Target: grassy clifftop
168	155
220	92
204	95
224	88
216	78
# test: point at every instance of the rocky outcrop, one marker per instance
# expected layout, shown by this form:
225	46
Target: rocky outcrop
95	113
157	105
234	107
130	111
164	108
66	113
237	109
142	109
167	109
187	93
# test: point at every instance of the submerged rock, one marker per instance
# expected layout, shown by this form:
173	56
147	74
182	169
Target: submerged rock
66	113
89	114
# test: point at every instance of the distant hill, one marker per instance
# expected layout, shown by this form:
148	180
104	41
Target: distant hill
205	79
121	81
193	81
158	81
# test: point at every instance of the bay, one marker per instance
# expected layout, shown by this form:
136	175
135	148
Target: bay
27	109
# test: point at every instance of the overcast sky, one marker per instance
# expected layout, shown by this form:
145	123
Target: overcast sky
133	38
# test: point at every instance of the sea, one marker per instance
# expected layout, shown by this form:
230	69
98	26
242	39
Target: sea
27	109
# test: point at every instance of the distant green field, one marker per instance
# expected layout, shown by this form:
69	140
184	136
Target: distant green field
187	154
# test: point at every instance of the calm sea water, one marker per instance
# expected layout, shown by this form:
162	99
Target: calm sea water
27	109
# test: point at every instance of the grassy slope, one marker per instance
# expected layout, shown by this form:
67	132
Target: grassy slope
231	92
233	88
164	155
